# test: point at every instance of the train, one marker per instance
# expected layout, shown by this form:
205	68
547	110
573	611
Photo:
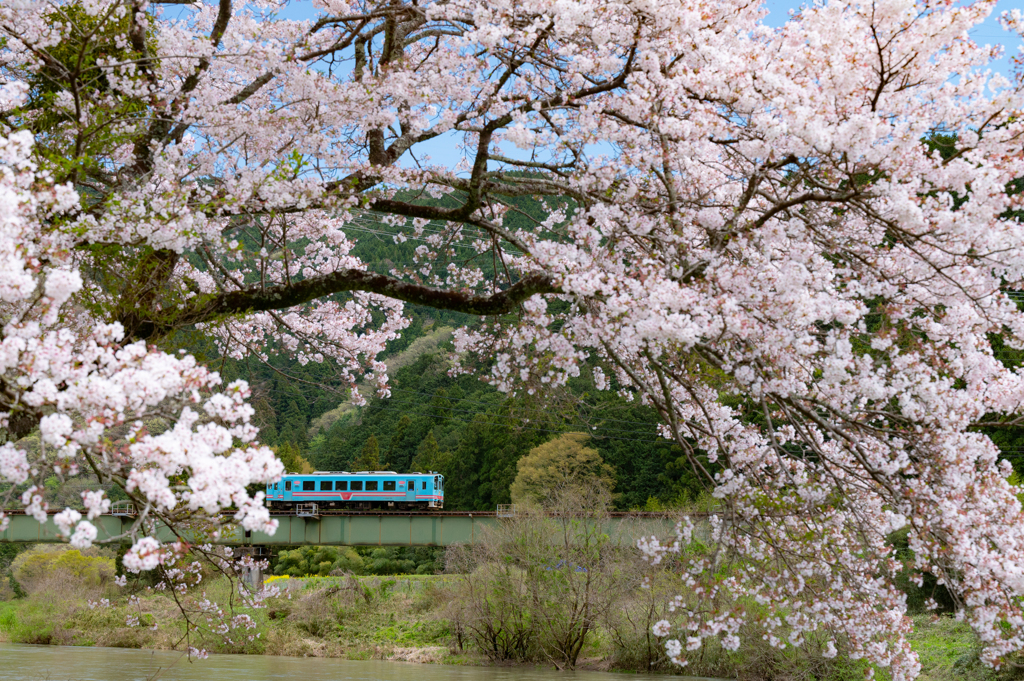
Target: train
363	490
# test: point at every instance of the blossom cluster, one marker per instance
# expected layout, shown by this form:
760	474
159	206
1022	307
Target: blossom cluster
92	394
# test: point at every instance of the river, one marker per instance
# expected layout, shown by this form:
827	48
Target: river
60	663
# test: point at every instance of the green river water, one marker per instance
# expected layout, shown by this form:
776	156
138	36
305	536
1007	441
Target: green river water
59	663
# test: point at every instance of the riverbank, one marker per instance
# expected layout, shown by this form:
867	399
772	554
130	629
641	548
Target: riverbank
403	619
354	618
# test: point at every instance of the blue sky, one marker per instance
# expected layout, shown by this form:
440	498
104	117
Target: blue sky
778	11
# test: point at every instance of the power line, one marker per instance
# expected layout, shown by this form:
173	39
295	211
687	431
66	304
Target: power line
527	428
544	411
511	418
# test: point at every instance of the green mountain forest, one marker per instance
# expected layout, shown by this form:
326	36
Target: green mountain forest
461	426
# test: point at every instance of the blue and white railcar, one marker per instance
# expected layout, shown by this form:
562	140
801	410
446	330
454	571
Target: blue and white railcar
364	490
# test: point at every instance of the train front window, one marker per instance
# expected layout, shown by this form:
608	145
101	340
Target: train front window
275	485
342	486
326	485
308	485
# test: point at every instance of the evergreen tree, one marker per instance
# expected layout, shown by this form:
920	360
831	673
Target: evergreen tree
369	458
429	457
441	406
291	457
396	440
292	425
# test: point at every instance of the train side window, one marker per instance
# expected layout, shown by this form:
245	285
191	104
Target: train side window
288	486
308	485
357	485
371	485
412	485
389	485
326	484
424	484
342	485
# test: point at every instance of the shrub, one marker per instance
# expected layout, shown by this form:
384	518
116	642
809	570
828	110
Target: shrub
318	560
536	586
345	560
56	568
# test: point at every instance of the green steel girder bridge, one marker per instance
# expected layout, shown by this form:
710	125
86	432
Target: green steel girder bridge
369	528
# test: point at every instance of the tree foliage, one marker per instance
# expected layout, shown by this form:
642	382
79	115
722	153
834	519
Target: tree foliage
318	560
429	457
291	458
565	462
47	567
369	457
305	561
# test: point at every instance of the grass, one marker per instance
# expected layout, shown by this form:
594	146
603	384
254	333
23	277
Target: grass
948	650
361	618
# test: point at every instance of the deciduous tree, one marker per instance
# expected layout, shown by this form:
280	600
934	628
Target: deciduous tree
562	463
747	231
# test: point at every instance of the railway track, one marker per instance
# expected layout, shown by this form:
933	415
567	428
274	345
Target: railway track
424	514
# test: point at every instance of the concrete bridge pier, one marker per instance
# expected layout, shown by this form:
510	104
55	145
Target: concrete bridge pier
252	577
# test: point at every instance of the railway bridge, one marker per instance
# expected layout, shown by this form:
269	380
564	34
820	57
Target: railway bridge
367	528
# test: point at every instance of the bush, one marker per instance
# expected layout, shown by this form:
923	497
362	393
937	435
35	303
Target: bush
345	560
535	587
56	568
38	619
630	625
318	560
389	561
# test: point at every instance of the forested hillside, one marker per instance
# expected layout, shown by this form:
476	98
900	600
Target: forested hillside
475	436
461	426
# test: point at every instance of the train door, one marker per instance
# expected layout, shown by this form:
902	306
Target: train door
410	490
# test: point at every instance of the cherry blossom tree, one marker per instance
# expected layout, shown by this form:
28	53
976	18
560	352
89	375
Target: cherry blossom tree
798	244
94	391
56	368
